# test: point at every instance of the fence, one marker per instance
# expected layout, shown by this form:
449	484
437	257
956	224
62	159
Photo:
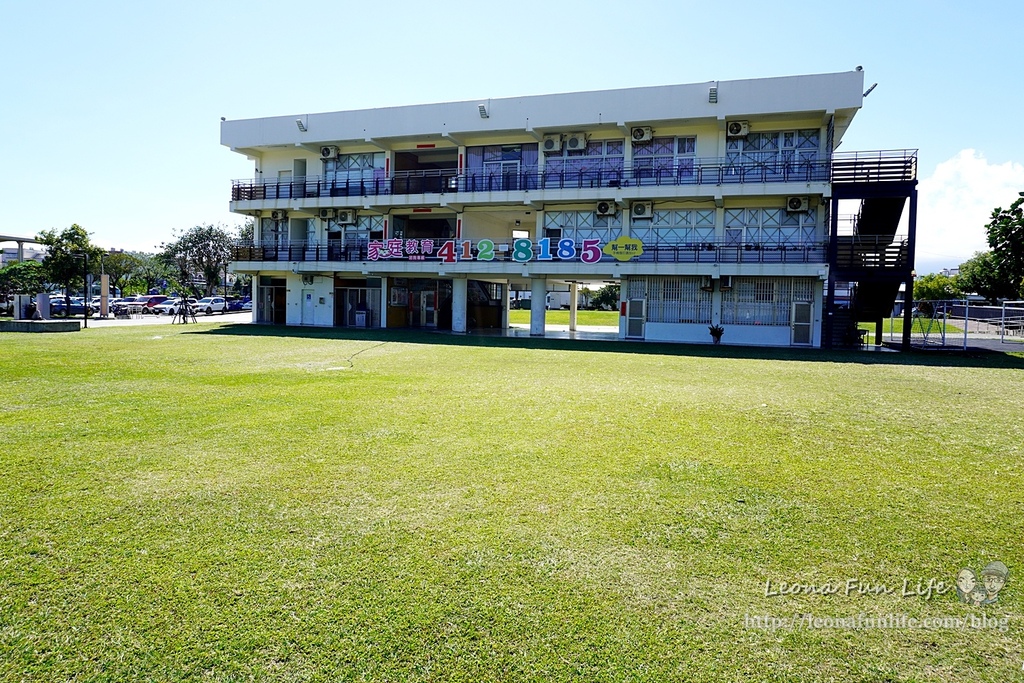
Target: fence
958	324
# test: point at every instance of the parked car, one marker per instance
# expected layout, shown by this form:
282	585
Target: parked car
150	301
247	306
235	305
211	304
61	309
172	306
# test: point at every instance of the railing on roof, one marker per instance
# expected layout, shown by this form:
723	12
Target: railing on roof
891	165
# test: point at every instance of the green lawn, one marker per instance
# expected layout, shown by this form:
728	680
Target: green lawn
301	505
583	318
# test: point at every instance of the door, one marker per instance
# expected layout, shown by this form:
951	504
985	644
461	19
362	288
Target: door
428	316
801	326
308	308
635	318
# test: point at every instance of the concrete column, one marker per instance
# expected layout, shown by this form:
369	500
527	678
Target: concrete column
504	307
574	289
459	290
383	303
21	252
538	301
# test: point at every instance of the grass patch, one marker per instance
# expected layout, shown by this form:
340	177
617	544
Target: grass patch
583	318
312	505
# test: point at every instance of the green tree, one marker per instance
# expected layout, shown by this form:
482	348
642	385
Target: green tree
980	275
63	263
1006	237
23	277
606	297
121	266
152	271
933	287
202	250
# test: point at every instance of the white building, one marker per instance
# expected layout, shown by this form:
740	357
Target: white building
712	204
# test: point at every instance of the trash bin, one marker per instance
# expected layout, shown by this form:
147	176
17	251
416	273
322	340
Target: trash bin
360	318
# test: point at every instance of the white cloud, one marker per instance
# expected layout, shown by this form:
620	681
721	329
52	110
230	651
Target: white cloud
955	203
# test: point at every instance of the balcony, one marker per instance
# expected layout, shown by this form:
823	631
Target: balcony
698	171
893	165
435	250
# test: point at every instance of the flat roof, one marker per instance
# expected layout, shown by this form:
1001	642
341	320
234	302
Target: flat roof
839	94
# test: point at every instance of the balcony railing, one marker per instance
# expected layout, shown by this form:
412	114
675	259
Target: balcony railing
710	171
872	252
704	252
891	165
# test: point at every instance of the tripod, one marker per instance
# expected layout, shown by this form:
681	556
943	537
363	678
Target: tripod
185	314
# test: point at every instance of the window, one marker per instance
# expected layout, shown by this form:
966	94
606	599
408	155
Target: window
764	301
676	228
599	165
773	227
664	160
673	299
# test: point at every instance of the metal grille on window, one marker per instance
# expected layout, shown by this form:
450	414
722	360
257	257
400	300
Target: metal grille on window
677	300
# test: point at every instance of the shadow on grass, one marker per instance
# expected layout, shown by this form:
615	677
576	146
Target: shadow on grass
981	359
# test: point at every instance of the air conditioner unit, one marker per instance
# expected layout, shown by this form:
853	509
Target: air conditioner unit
345	216
705	284
326	213
794	204
606	209
737	129
576	141
307	280
279	215
551	143
641	134
641	209
725	282
328	152
257	213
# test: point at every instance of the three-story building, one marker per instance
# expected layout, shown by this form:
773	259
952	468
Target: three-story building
712	204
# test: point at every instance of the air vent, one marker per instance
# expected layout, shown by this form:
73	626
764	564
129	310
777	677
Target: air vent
576	141
795	204
642	209
551	143
641	134
737	129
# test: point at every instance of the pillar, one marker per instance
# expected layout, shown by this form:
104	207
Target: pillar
574	289
383	302
21	252
459	297
538	305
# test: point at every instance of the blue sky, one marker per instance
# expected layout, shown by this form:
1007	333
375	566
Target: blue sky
110	110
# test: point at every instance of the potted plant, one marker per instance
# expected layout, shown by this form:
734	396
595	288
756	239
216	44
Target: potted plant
716	332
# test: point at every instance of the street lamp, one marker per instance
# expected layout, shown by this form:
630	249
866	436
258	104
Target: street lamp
85	285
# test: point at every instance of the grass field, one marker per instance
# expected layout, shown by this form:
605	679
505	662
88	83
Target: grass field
931	327
258	504
583	318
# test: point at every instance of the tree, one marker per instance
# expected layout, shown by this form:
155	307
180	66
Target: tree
203	250
606	297
121	266
246	232
63	263
935	287
152	271
1006	237
979	275
24	277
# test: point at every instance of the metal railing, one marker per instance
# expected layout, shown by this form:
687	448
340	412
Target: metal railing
703	252
872	252
890	165
710	171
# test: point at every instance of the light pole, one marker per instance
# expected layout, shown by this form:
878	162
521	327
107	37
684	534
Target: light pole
85	285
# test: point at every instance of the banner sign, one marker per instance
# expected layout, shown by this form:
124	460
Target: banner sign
522	250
